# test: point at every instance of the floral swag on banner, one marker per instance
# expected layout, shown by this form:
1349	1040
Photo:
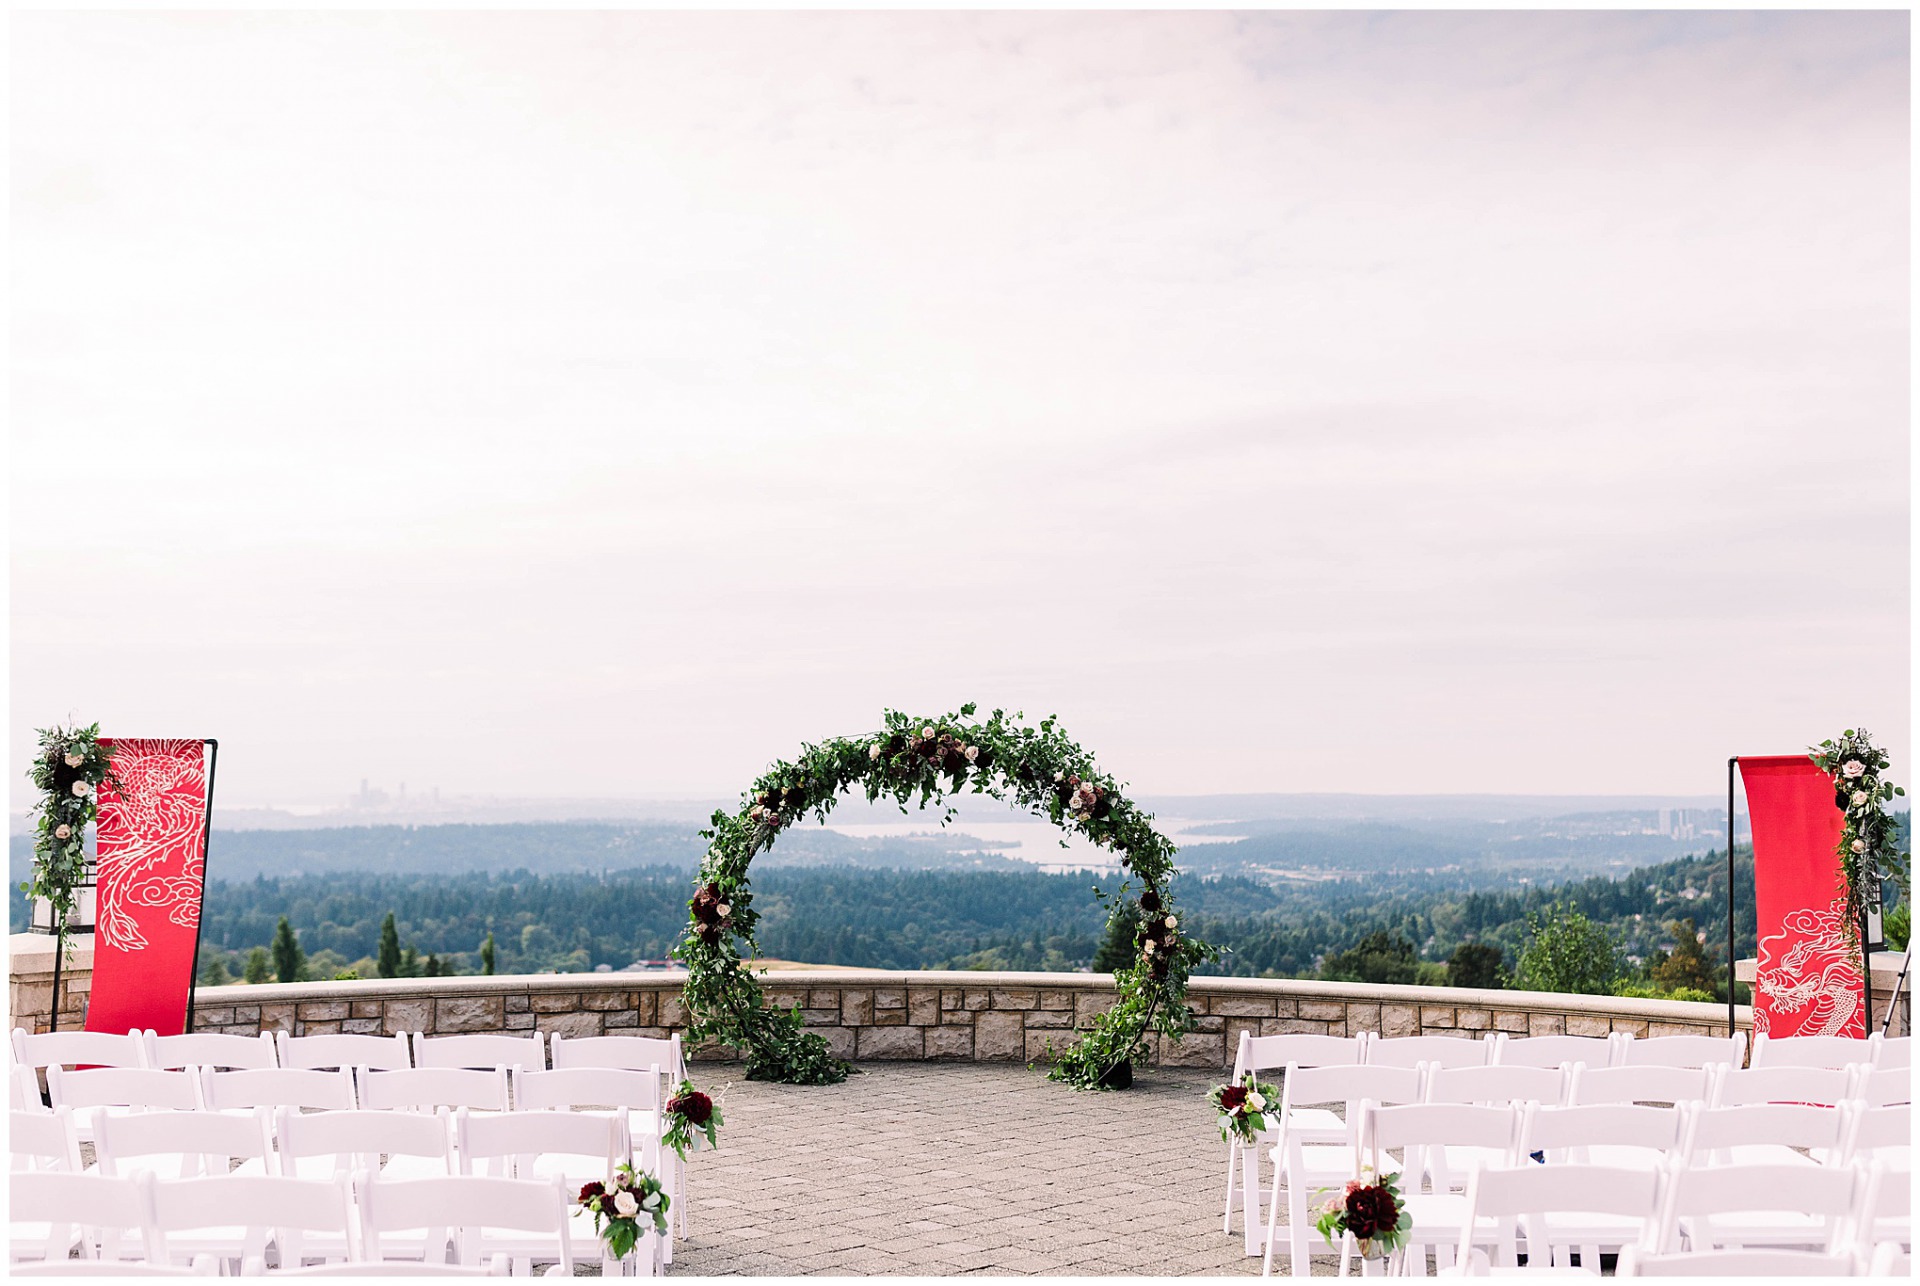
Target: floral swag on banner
1868	852
1040	770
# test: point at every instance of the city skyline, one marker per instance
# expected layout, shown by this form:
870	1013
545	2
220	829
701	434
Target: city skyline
591	404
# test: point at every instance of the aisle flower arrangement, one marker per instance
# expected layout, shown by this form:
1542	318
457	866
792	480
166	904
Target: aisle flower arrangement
625	1207
1241	1107
691	1116
1371	1212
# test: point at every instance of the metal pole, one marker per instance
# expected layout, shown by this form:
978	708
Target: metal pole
1893	1001
206	841
1732	765
1866	974
59	949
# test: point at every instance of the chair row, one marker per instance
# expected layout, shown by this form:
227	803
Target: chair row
246	1222
1638	1116
1438	1149
383	1053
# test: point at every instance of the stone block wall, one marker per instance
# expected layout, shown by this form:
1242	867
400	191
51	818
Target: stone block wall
30	981
869	1015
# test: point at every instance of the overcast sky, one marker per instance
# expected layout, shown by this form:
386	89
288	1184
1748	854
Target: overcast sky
587	403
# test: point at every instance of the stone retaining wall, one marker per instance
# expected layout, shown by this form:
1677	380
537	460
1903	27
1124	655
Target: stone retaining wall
987	1017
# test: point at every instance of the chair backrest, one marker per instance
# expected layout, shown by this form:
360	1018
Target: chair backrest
1424	1131
1552	1051
1442	1051
1262	1053
277	1087
205	1266
469	1203
1809	1051
46	1139
1635	1262
400	1268
1794	1125
1497	1085
1560	1130
481	1051
1886	1208
1892	1051
212	1049
419	1088
511	1141
358	1139
141	1087
632	1053
262	1205
387	1053
1885	1086
1683	1051
1385	1085
78	1049
1784	1083
70	1201
577	1087
1655	1083
1878	1129
212	1140
1696	1194
24	1088
1539	1191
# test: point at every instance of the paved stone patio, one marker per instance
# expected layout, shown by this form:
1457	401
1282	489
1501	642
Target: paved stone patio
943	1169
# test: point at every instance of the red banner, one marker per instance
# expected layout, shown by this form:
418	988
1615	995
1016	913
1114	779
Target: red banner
1808	978
152	866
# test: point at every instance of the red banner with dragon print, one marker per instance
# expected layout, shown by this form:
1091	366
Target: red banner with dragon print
151	848
1807	982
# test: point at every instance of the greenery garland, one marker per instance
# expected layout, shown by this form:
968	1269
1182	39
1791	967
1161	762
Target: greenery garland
1867	853
1040	770
68	772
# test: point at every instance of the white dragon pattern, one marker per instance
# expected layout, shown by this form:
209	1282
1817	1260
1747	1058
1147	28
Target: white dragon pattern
159	813
1818	974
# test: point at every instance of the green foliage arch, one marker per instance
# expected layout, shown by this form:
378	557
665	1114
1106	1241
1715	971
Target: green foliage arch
1040	770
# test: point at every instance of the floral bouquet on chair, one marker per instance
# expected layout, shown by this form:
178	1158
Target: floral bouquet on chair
621	1204
691	1115
1372	1212
1243	1108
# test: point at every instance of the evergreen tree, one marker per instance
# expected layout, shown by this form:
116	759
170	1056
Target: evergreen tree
289	961
1380	957
389	962
259	966
214	973
1117	951
1686	965
1475	964
432	968
486	954
410	963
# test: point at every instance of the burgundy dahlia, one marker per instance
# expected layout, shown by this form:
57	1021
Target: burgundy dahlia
1232	1098
1149	901
693	1105
1371	1211
592	1190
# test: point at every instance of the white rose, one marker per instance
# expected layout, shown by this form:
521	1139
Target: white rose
725	908
1148	949
1859	846
652	1202
1258	1102
74	761
873	751
926	734
1853	768
973	754
80	789
1859	797
1059	776
1172	923
624	1205
63	831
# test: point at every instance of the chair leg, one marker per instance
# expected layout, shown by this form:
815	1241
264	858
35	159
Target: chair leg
1250	1197
1297	1228
1273	1214
1233	1157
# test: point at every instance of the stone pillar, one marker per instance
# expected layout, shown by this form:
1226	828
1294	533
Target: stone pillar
30	975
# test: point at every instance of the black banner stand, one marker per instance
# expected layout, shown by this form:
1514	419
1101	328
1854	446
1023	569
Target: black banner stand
206	844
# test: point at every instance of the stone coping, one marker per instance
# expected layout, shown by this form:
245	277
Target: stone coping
1667	1011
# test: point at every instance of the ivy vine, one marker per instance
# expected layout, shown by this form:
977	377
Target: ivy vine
1040	770
68	771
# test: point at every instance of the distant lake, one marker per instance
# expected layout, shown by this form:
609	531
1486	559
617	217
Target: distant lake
1035	842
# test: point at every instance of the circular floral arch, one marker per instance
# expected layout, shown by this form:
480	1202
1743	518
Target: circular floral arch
1038	769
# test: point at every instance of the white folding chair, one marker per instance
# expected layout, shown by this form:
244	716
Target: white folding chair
203	1266
481	1051
1635	1262
53	1212
604	1089
1886	1209
422	1089
78	1049
1553	1051
24	1088
1885	1086
211	1049
42	1141
1621	1136
1440	1051
1739	1207
568	1148
1498	1086
1259	1054
1833	1052
631	1053
1432	1141
277	1087
385	1053
1880	1132
1784	1083
342	1144
1892	1051
184	1145
1890	1260
95	1092
1303	1162
1654	1083
235	1217
1763	1134
400	1268
1559	1208
484	1214
1682	1051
